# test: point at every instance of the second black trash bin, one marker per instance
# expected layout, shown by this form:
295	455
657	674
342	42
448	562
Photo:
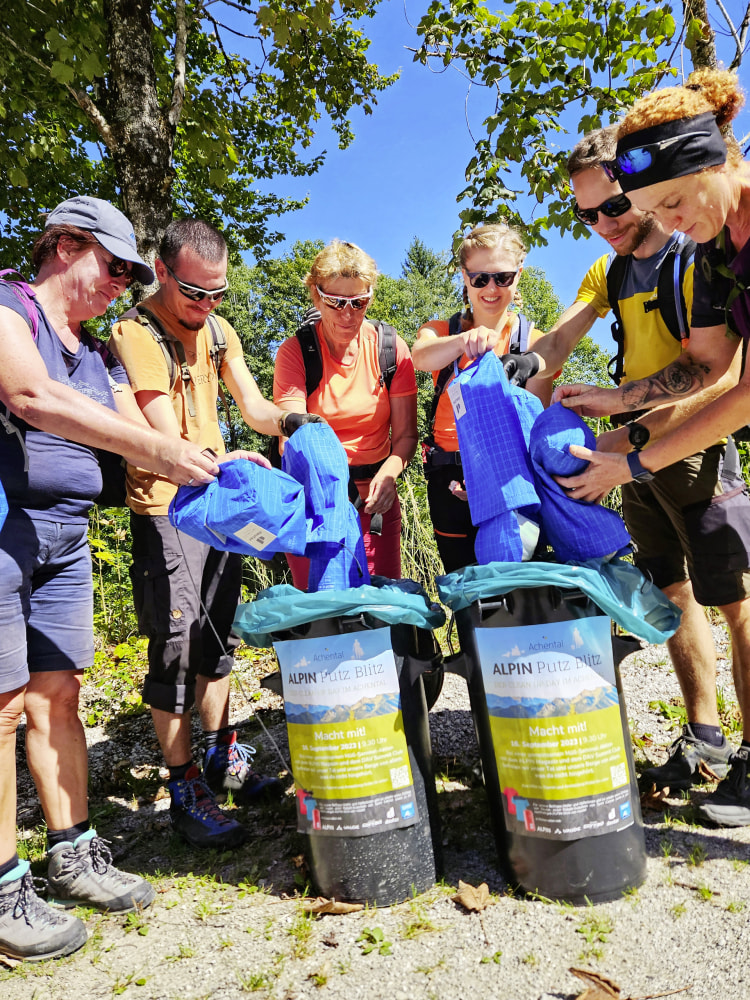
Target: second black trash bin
550	719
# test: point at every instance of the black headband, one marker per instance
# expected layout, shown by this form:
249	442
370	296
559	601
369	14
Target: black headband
668	150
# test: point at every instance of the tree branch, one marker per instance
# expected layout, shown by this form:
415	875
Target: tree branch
81	98
180	54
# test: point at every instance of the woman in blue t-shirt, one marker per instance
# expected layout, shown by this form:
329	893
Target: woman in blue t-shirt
58	405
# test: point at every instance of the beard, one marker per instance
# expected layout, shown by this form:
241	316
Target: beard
191	324
643	229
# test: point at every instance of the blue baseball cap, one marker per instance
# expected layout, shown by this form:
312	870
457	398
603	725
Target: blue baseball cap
107	223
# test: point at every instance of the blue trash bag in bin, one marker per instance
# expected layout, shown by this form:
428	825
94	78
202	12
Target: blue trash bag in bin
314	456
247	509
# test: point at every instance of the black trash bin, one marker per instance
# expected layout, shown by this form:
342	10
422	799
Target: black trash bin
381	847
576	840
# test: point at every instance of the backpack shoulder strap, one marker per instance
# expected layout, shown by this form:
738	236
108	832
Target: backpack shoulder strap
386	352
670	298
25	295
218	346
172	349
519	340
454	328
616	269
311	357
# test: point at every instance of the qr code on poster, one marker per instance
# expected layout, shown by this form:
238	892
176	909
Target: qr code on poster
619	775
400	777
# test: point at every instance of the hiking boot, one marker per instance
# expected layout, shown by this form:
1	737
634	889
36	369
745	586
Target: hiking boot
82	873
683	767
226	769
729	805
196	816
29	928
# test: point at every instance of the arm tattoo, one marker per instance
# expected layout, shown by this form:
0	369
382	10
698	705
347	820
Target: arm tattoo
681	378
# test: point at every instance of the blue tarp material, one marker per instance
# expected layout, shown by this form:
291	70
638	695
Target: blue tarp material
3	506
246	509
576	529
618	588
315	458
284	607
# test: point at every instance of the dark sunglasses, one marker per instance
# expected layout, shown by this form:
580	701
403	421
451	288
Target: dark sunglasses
340	302
193	292
640	158
612	207
480	279
118	268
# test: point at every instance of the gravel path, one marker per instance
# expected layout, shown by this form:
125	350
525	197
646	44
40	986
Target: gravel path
224	927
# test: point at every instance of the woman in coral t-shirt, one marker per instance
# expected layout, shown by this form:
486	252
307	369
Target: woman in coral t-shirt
376	426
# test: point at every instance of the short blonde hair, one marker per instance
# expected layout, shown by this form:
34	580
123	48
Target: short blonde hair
342	260
714	90
494	236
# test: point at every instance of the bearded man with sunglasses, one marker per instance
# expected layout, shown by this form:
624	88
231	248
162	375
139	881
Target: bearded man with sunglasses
185	591
670	515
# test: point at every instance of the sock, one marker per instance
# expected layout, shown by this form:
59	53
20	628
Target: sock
9	866
745	744
179	772
55	837
709	734
212	737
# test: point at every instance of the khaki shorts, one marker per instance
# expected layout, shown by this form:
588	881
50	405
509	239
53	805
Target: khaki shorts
688	523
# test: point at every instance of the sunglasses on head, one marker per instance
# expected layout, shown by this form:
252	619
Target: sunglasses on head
340	302
193	292
480	279
612	207
640	158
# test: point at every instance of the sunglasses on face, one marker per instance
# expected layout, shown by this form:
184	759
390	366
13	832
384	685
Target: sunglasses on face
480	279
340	302
118	268
612	207
640	158
193	292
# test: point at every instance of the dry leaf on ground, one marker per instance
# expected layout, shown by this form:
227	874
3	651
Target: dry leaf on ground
471	897
655	798
321	905
598	986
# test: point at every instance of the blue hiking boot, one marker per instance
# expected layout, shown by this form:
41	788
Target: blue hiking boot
196	816
227	769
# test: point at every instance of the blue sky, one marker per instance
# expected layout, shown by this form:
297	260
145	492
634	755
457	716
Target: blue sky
401	175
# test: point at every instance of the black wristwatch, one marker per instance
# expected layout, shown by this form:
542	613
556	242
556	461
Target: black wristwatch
638	435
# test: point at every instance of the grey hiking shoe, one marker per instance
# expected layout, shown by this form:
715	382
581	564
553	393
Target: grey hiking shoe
683	767
29	928
729	805
83	873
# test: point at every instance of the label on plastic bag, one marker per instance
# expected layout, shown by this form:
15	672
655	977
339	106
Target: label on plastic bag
346	734
554	714
255	535
457	400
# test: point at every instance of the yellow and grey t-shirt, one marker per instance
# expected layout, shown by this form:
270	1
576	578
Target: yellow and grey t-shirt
649	346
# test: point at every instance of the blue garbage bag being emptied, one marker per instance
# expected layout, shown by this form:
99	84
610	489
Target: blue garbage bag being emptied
315	458
577	530
617	587
280	608
493	421
246	509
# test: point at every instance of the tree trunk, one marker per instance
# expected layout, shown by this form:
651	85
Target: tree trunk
703	53
142	137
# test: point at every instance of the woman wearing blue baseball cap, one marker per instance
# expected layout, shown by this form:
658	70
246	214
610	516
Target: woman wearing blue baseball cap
56	387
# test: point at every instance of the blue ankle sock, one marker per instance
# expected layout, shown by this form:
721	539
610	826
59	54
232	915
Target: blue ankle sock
9	866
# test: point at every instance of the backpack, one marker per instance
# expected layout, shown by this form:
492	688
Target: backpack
519	342
669	300
111	465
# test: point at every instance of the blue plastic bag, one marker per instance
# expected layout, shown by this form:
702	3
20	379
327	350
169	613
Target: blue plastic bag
247	509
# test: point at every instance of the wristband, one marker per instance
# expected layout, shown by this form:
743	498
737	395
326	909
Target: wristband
209	453
637	471
282	418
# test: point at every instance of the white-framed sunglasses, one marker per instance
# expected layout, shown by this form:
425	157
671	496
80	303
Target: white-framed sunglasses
340	302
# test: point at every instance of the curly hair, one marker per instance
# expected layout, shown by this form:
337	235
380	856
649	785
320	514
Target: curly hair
494	236
342	260
595	148
714	90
